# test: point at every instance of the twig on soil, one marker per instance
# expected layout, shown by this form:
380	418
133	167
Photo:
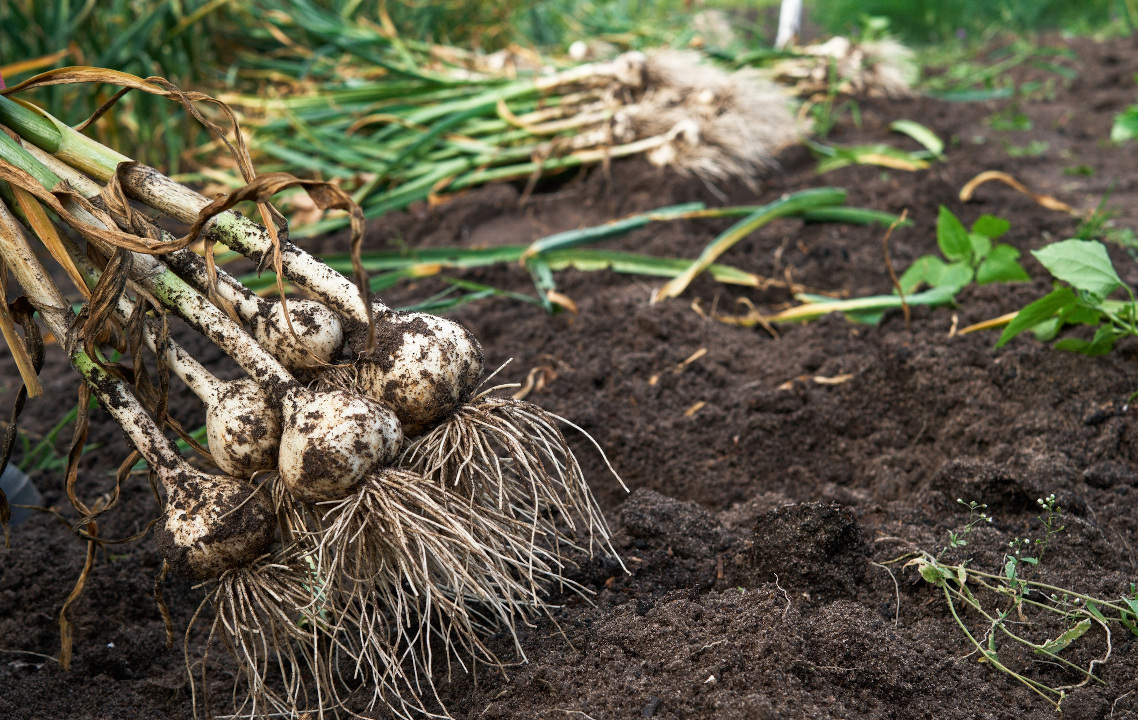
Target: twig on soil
29	652
572	712
898	598
786	598
887	257
1113	710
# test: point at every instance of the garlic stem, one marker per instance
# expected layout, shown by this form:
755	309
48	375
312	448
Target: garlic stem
234	230
366	437
56	314
154	189
174	292
243	427
316	337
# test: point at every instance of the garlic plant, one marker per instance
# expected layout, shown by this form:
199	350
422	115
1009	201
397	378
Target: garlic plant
243	427
213	522
392	504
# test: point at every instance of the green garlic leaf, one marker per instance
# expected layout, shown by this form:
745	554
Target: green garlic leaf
920	133
866	317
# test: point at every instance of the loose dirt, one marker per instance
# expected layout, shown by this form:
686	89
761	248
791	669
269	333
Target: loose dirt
773	478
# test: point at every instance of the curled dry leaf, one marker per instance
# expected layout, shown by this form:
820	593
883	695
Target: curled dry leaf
1046	201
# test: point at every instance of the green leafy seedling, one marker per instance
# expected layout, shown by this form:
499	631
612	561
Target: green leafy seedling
970	255
1025	602
1086	278
1124	126
1098	225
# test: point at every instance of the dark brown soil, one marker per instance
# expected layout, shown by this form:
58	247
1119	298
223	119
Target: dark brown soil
768	486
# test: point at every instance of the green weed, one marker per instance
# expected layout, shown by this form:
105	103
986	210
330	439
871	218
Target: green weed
1009	120
1018	603
834	157
1124	125
1085	278
1036	148
1098	225
970	256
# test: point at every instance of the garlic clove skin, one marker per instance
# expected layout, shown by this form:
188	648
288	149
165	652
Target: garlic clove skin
422	366
331	439
213	523
320	334
243	429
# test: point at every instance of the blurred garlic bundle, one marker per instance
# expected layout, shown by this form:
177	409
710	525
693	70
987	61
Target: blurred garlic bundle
875	68
715	125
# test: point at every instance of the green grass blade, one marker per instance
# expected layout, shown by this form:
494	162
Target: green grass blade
921	134
589	260
787	205
585	236
852	216
816	306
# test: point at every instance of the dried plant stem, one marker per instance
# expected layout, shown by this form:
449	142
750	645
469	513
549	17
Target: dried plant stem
152	188
890	268
185	262
17	253
224	290
185	366
184	300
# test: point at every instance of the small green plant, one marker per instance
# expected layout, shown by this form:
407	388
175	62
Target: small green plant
1027	552
1022	602
833	157
1036	148
959	539
1124	126
972	255
1009	120
1085	280
826	113
1099	225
